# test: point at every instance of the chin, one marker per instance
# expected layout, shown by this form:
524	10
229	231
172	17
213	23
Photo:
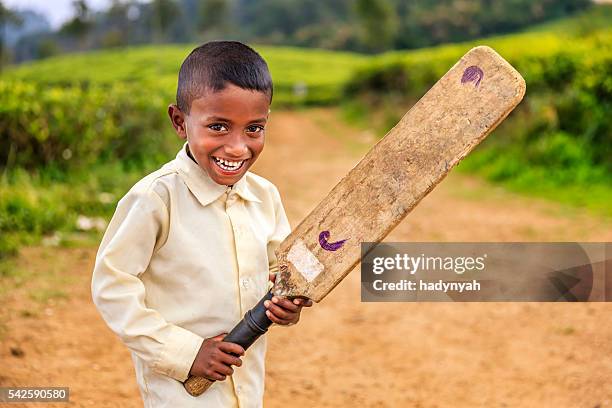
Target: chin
227	180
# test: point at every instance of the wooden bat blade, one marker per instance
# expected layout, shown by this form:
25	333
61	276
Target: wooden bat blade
456	114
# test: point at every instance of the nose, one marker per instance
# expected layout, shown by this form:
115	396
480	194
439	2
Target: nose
236	145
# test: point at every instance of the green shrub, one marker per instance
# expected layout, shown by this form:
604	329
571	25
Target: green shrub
560	136
73	126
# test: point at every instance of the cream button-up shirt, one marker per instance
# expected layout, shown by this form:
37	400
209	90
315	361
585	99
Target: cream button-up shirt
183	259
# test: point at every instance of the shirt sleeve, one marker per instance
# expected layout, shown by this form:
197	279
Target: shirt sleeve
281	231
138	228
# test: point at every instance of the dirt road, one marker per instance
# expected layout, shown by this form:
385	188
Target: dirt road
344	352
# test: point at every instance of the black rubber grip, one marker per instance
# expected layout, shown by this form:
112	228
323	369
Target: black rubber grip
254	324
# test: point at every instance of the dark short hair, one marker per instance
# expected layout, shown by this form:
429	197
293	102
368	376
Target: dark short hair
211	65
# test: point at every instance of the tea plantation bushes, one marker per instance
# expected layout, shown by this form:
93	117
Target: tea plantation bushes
560	137
301	76
76	125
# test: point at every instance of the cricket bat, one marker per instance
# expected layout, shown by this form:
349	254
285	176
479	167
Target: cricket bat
456	114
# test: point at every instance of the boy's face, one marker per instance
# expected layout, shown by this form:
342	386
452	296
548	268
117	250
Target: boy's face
225	130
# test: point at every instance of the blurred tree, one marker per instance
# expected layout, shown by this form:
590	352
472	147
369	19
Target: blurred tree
47	48
81	23
117	23
7	16
214	17
429	22
299	22
357	25
378	22
164	14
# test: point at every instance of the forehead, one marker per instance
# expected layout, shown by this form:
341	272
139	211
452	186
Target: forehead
232	102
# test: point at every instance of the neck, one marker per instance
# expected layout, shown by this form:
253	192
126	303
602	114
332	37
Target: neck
190	156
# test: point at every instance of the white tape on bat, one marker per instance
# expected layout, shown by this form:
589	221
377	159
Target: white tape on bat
304	261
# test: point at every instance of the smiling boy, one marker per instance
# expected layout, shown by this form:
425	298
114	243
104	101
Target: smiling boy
190	247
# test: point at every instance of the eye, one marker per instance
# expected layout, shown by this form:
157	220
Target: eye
217	127
255	128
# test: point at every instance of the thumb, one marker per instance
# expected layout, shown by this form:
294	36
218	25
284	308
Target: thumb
219	337
272	277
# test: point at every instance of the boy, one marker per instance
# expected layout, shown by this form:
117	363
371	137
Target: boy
190	247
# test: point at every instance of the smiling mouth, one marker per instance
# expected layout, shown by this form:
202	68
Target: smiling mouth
228	165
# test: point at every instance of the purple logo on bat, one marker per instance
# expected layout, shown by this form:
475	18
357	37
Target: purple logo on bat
472	74
329	246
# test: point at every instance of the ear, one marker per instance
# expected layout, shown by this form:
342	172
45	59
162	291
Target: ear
177	117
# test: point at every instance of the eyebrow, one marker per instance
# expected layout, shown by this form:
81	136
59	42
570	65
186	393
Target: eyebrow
221	119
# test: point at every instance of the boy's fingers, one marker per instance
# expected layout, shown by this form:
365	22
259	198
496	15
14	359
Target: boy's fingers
223	369
212	374
230	360
279	312
231	348
219	337
216	376
276	320
280	320
285	303
302	302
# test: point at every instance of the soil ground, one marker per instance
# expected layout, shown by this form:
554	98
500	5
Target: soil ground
344	352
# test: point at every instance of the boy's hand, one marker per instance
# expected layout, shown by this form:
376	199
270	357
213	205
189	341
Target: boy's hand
284	311
215	358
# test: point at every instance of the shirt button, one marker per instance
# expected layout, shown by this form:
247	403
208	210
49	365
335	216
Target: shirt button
239	389
245	283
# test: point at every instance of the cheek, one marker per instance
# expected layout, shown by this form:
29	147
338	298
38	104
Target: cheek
203	145
257	146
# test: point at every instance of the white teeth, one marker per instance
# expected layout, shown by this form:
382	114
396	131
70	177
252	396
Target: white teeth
228	165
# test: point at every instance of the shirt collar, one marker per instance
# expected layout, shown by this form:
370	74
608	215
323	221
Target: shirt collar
202	186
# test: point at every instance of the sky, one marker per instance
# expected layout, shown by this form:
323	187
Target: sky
56	11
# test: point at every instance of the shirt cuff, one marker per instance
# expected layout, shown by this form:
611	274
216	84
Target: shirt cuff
178	353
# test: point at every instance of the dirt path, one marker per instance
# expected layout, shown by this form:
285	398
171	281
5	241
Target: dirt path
344	352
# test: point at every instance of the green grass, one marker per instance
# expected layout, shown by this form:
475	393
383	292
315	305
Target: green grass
36	206
593	196
155	68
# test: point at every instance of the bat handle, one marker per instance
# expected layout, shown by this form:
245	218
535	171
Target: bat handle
254	323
